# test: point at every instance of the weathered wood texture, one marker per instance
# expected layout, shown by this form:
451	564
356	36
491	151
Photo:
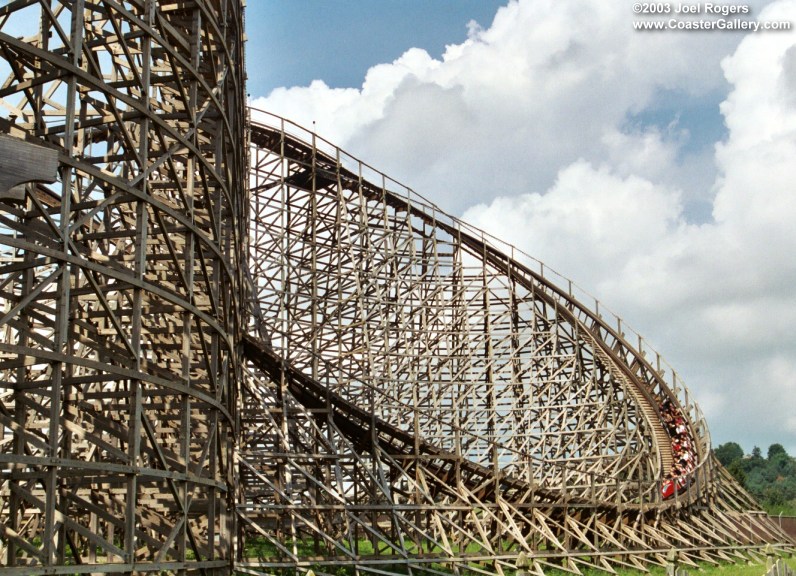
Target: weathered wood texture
788	525
22	162
119	285
780	568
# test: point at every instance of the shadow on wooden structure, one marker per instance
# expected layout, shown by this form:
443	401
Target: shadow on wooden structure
312	370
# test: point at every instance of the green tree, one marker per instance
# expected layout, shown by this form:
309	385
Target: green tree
755	482
775	449
728	453
736	469
771	480
753	464
774	496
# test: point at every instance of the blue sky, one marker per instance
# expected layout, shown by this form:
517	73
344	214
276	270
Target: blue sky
292	42
654	169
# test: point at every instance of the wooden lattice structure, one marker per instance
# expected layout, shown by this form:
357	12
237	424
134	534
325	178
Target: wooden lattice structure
421	397
120	285
232	347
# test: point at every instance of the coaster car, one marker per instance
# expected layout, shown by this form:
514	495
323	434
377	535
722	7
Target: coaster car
674	486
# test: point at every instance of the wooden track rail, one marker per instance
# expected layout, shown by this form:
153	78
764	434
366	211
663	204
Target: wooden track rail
363	431
640	379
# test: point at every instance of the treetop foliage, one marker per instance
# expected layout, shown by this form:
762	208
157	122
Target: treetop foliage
772	480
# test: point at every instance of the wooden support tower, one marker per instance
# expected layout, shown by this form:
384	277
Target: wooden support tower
120	285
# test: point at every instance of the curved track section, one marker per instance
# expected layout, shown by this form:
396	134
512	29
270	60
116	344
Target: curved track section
119	285
421	395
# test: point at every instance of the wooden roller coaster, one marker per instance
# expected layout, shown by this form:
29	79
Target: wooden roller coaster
226	346
440	401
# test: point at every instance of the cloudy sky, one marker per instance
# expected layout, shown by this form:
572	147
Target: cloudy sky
655	169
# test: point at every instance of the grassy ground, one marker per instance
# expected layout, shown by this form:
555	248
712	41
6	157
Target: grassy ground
704	570
263	549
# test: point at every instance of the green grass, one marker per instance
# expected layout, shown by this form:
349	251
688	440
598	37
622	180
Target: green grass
261	548
264	550
786	509
703	570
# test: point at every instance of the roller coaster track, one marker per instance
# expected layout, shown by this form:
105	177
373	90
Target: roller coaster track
366	433
363	430
310	203
637	374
